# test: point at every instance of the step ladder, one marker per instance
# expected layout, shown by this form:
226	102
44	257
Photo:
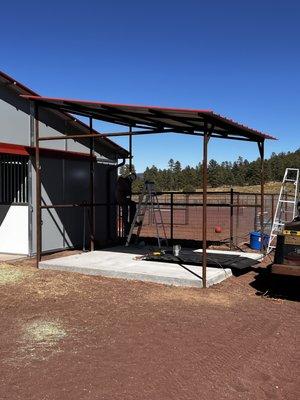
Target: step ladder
148	200
286	205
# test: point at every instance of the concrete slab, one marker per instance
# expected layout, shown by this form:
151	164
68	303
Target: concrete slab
120	262
10	257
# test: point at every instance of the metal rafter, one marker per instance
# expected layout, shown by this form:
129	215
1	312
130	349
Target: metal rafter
161	114
136	117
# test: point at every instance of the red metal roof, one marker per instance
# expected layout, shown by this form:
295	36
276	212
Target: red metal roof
181	120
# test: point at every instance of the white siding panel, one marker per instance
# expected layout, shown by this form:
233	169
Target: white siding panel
14	126
14	229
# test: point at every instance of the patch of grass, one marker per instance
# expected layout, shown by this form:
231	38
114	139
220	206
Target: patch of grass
270	187
10	274
45	332
40	341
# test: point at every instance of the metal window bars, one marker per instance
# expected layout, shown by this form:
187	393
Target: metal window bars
13	179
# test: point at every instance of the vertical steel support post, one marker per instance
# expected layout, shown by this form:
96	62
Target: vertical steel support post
130	148
92	189
261	147
204	208
231	219
172	218
108	205
27	185
130	163
38	189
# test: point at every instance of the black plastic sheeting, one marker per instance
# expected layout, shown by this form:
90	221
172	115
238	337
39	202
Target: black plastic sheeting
189	257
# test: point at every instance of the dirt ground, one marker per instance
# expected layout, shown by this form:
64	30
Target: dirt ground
69	336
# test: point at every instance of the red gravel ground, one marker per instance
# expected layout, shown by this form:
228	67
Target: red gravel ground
134	340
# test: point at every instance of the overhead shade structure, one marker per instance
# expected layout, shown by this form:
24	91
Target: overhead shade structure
143	120
156	119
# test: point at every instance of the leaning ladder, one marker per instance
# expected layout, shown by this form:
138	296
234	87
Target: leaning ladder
148	200
286	206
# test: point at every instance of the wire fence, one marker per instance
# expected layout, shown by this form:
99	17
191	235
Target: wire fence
231	215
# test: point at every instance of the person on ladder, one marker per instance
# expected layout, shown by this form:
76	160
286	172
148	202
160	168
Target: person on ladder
123	198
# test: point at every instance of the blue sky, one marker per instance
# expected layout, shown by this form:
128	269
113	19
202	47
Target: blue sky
238	58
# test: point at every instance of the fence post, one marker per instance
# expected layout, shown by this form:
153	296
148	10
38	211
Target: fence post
172	217
272	206
187	209
255	213
238	215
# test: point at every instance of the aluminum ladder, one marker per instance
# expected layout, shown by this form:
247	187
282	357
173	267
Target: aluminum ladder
286	205
148	200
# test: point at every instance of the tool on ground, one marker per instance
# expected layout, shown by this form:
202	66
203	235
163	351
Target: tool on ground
148	200
176	249
286	205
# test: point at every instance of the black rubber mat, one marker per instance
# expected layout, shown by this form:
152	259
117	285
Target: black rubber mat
189	257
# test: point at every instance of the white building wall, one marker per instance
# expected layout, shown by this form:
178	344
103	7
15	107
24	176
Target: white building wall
14	229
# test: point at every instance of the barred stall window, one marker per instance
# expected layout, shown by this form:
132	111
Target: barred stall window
13	179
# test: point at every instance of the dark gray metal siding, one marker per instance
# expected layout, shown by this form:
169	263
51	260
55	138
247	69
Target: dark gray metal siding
67	181
62	180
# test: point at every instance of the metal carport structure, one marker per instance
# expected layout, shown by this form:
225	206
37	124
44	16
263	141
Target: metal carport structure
144	120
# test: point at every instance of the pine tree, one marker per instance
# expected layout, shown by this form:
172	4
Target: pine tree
125	170
214	174
239	173
188	179
177	180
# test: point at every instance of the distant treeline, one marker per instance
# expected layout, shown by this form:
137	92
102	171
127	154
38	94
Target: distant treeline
237	173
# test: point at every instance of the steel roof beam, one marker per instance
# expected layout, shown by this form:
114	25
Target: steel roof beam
137	116
161	114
